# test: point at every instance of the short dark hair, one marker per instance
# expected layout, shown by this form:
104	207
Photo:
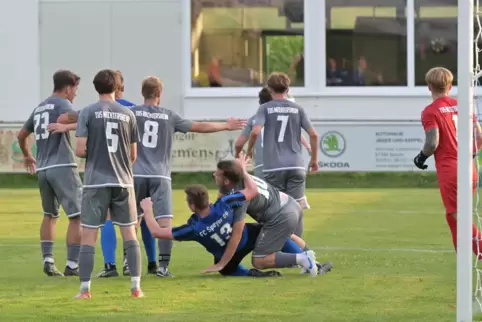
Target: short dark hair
106	81
197	195
232	170
65	78
278	83
151	87
264	96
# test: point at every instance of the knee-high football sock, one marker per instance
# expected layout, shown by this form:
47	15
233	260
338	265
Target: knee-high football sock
47	250
165	247
108	242
291	247
476	236
86	266
133	256
149	243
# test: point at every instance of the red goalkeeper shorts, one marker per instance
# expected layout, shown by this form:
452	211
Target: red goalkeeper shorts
448	190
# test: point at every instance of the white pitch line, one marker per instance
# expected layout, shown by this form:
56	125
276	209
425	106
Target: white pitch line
318	248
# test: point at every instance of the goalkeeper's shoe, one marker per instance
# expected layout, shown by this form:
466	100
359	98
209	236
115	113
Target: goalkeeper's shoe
51	270
83	295
322	268
163	272
71	271
126	271
253	272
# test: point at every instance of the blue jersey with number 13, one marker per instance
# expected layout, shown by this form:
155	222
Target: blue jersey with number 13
213	231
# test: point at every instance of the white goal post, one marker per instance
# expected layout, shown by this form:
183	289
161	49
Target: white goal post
466	72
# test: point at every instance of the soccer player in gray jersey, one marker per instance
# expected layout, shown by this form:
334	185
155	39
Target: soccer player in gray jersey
107	137
264	96
279	214
58	179
281	121
152	170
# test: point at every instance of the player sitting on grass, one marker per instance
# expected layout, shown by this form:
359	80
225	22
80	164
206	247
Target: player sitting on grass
439	121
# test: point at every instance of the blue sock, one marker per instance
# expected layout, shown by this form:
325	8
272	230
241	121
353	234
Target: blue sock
291	247
108	242
149	243
240	271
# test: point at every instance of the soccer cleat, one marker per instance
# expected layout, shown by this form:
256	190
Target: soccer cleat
108	272
163	272
137	293
253	272
322	268
83	295
311	267
71	271
126	271
152	268
51	270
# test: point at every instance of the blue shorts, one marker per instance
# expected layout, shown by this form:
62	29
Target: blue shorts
232	266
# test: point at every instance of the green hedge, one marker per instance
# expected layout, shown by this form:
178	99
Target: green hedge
321	180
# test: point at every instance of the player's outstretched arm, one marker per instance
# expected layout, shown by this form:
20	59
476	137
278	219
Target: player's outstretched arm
243	138
154	228
252	139
210	127
68	118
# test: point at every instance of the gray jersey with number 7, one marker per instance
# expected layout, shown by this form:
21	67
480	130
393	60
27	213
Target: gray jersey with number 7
282	121
110	129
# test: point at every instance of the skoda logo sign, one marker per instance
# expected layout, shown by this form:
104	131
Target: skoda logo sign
332	144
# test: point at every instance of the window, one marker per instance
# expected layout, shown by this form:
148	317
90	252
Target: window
366	43
237	43
435	37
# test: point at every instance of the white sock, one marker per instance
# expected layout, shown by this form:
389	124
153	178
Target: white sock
72	264
136	282
84	286
302	259
48	260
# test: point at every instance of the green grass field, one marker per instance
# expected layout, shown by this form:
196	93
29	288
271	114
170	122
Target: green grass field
391	249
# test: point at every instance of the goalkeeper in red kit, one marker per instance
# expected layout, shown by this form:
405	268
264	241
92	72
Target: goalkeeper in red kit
439	121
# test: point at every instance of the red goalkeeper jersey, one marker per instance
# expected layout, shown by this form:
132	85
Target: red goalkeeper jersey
442	114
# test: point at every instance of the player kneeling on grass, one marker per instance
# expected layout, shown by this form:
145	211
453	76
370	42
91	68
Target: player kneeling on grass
439	121
280	215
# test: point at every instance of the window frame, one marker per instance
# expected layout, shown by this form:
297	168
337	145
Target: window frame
315	77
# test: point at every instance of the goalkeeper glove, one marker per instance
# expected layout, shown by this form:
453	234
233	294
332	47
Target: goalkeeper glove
419	161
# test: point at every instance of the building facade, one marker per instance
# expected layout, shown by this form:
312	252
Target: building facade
349	60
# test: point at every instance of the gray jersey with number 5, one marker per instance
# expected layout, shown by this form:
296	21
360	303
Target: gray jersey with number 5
157	126
110	129
53	150
258	148
282	121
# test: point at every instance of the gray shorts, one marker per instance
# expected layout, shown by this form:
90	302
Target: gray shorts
276	231
62	186
120	201
291	182
159	190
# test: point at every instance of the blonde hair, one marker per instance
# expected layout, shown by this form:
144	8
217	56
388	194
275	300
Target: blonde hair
151	87
439	79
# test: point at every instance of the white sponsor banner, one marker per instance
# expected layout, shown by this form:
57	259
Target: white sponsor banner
370	147
342	147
